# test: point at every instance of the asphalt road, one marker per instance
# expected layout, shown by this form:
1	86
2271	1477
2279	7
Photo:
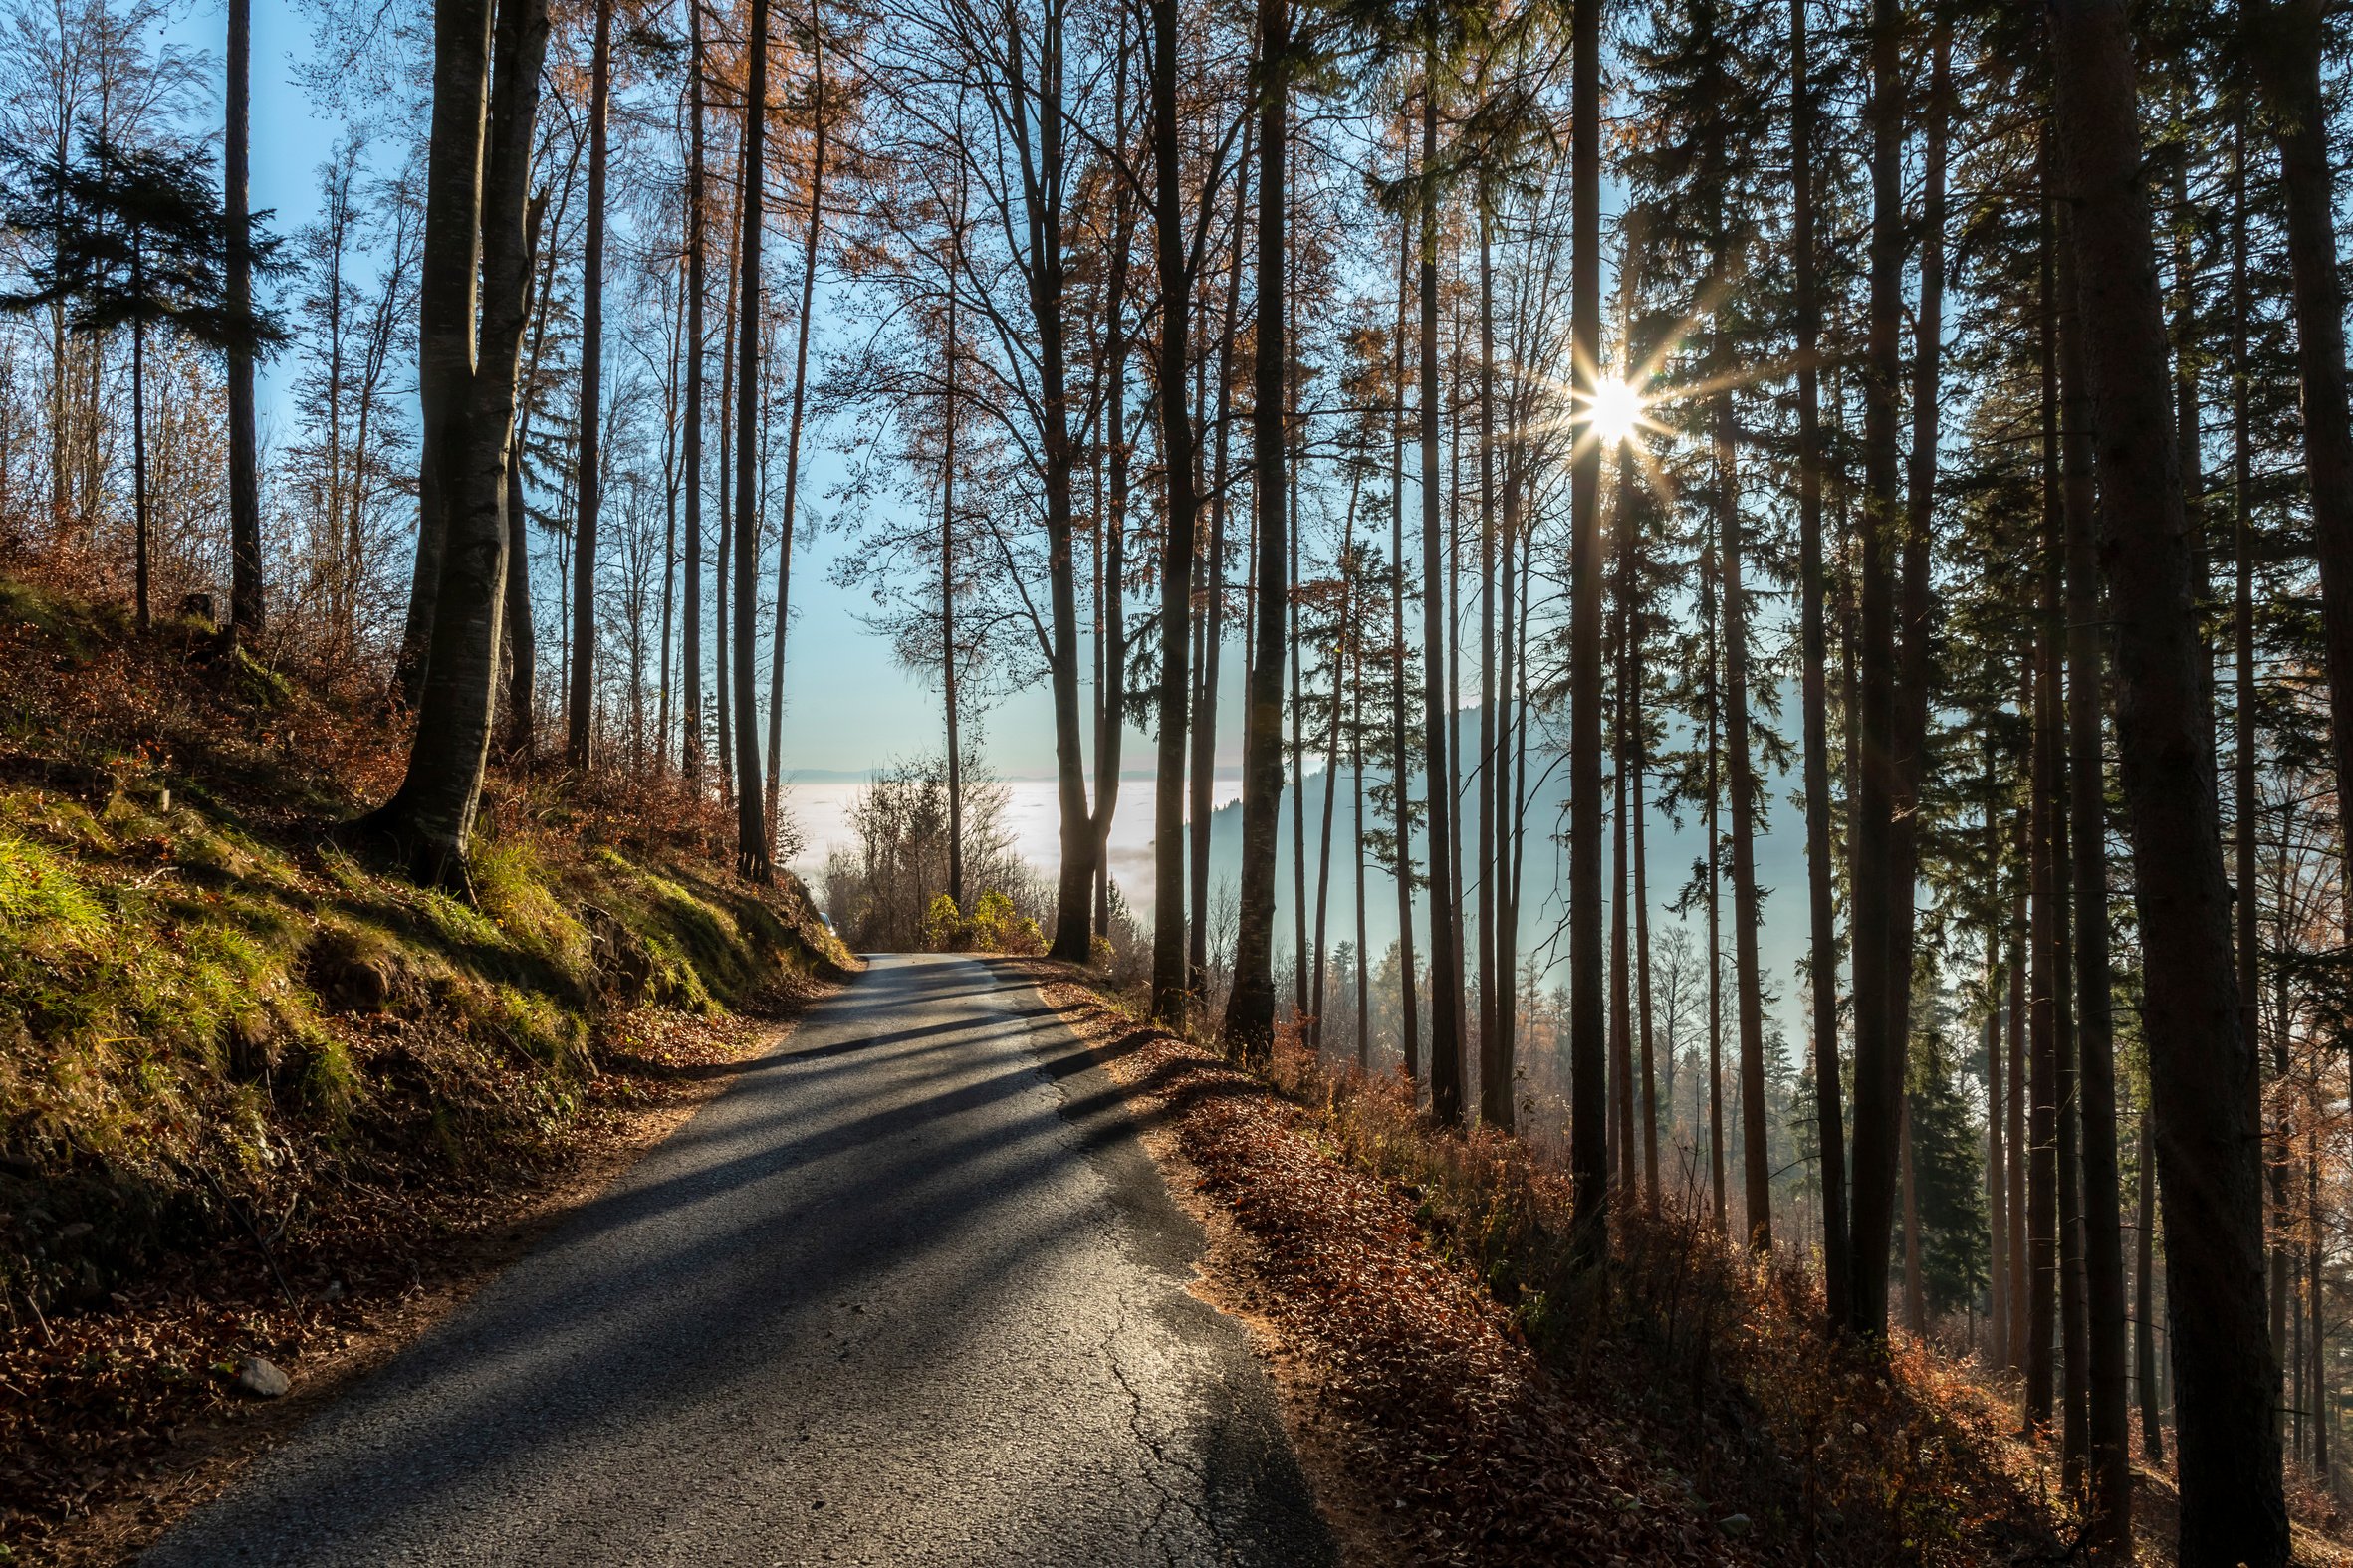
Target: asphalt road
908	1292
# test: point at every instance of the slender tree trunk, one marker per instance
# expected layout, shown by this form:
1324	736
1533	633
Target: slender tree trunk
245	494
1915	1295
2201	1064
1445	973
1756	1152
1711	639
1180	460
1621	1031
950	415
1879	1054
2021	1222
1589	1152
1356	800
2075	494
1494	1088
1823	952
1641	896
1044	182
1996	1163
1913	673
1250	1012
1332	774
2144	1347
752	834
723	664
789	526
690	651
1400	763
138	455
1112	646
580	705
1212	637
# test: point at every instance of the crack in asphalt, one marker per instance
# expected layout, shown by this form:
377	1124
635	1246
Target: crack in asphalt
911	1293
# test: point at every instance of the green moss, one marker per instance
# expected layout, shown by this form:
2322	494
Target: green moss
511	886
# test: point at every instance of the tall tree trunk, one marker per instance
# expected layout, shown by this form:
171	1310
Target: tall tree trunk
1589	1152
752	835
476	232
1494	1088
2075	494
950	414
1446	947
1400	763
139	456
1213	636
1250	1011
580	705
2022	1225
1997	1166
1356	794
1621	1024
1712	735
1332	774
723	660
2201	1064
809	238
1822	951
245	494
1045	174
2144	1346
1641	896
1111	644
2108	1439
1915	1295
448	297
2287	37
1755	1151
1879	1053
1180	460
690	651
2045	987
1913	673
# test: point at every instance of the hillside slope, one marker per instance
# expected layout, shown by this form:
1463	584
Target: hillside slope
238	1059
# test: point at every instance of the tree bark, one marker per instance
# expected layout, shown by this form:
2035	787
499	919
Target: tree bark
1879	1055
1250	1011
2109	1451
2145	1303
1822	951
789	524
2201	1064
481	234
1180	460
245	496
581	703
752	834
1588	1151
1446	948
1401	762
690	652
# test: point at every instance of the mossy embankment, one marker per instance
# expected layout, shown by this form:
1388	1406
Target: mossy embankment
213	1021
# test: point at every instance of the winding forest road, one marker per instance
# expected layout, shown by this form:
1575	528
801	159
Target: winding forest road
908	1292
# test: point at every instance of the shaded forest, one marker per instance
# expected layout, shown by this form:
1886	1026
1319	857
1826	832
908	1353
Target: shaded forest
1534	439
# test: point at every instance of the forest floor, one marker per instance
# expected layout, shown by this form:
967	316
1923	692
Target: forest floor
1457	1402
